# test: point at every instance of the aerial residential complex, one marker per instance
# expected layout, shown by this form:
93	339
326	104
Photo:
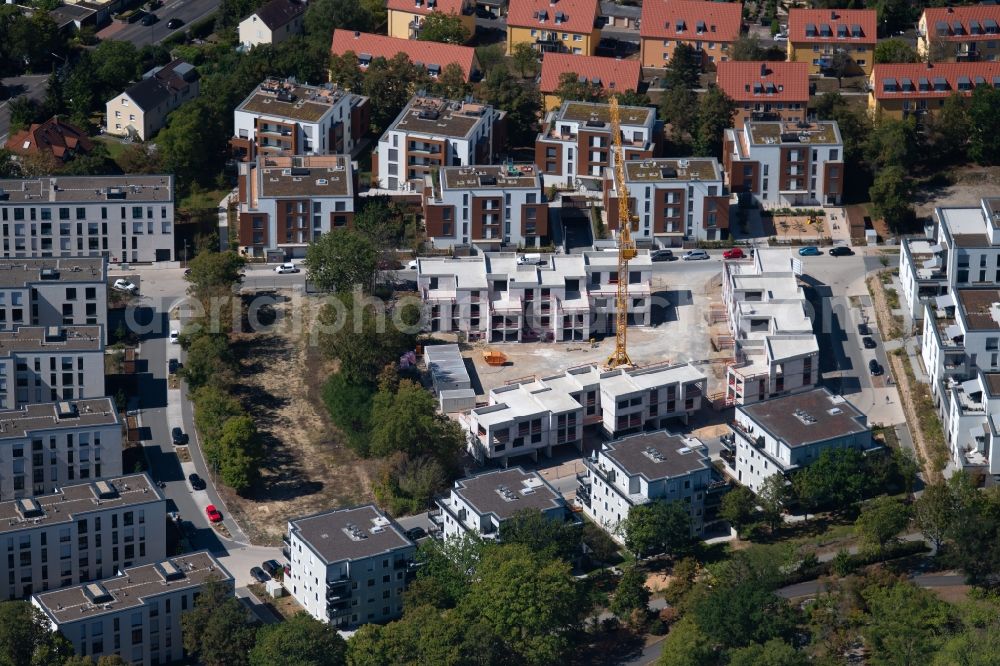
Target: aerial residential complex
67	291
959	34
766	90
818	36
554	26
48	364
434	56
711	28
916	89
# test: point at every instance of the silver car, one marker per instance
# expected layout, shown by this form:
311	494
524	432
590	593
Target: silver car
695	255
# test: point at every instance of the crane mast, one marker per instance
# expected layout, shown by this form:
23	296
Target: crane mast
626	246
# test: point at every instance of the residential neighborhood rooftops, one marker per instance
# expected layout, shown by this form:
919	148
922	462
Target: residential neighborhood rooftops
936	80
669	170
980	308
770	81
39	417
504	492
349	534
514	176
438	116
597	116
832	25
963	23
775	132
87	189
17	273
691	20
131	589
578	16
425	7
278	13
367	46
658	455
808	417
161	83
54	137
53	339
306	175
608	73
285	98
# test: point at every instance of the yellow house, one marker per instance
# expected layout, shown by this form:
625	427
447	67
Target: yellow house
407	16
815	36
560	26
708	27
902	90
959	34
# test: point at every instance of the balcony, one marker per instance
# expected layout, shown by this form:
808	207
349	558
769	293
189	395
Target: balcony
338	590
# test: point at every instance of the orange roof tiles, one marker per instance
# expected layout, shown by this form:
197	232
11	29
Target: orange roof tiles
691	19
920	81
846	26
774	81
383	46
616	75
983	19
560	16
425	7
54	136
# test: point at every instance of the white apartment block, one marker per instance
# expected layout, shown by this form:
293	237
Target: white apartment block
136	614
486	206
349	566
125	218
433	132
971	411
286	203
479	505
534	417
783	434
774	347
648	467
50	364
83	532
575	143
46	446
675	200
780	164
494	298
67	291
283	117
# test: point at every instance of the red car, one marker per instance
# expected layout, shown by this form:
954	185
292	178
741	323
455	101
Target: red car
213	514
734	253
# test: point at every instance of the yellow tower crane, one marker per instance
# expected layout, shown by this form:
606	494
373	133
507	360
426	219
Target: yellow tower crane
626	246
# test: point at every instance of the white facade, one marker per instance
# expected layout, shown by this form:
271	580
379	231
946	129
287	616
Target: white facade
349	567
971	411
70	291
272	24
124	218
50	364
137	614
142	109
85	532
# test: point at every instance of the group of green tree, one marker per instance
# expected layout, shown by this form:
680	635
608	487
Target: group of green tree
28	43
574	88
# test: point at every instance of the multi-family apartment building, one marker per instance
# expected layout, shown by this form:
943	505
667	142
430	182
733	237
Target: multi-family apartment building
406	17
774	348
606	74
649	467
47	446
84	532
479	505
816	36
125	218
783	434
674	199
961	335
433	56
959	34
284	117
533	417
348	566
554	26
142	109
285	203
785	164
486	206
710	28
766	90
971	416
66	291
273	23
902	90
576	143
495	298
433	132
48	364
135	614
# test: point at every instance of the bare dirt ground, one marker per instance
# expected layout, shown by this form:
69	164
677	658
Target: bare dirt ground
306	468
971	184
797	227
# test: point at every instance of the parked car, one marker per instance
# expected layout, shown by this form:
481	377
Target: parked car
530	260
809	251
287	267
178	437
875	368
662	255
695	255
121	284
174	23
197	483
259	575
175	336
734	253
149	19
863	329
213	514
173	365
415	533
868	342
411	265
272	567
841	251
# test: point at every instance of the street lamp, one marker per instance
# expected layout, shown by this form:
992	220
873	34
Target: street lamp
185	253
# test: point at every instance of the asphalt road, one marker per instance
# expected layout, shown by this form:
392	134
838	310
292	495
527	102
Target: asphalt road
811	588
189	11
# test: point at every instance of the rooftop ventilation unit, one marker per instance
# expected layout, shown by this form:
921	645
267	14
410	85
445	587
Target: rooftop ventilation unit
354	532
506	493
168	571
50	274
66	410
97	594
29	508
105	490
653	454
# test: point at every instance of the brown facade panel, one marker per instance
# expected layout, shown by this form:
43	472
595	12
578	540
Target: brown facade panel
361	118
293	220
535	220
479	209
612	211
433	154
744	176
241	149
548	157
253	229
440	221
786	164
660	209
833	178
719	206
585	152
341	220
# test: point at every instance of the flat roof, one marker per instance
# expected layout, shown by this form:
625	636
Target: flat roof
120	190
601	113
349	534
804	418
73	501
440	117
670	170
504	492
787	133
992	382
980	308
132	588
505	177
16	273
307	175
40	417
51	339
285	98
658	455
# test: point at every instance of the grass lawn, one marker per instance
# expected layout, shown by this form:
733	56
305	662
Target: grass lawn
203	199
114	146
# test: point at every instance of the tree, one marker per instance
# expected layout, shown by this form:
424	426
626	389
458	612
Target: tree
548	537
521	100
935	512
949	128
775	652
324	16
342	261
893	143
975	538
350	406
679	108
490	56
572	88
890	195
390	84
447	569
408	421
442	27
299	641
363	340
772	496
451	83
984	142
217	630
525	59
687	645
212	272
905	624
631	98
738	507
116	64
139	158
841	65
657	527
834	480
894	50
893	15
23	112
213	407
740	614
26	639
715	114
193	145
344	72
239	453
209	360
631	594
747	47
684	68
879	523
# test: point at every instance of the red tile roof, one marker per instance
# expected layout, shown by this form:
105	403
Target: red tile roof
617	75
982	18
683	19
561	16
58	138
920	81
425	7
383	46
832	26
749	81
